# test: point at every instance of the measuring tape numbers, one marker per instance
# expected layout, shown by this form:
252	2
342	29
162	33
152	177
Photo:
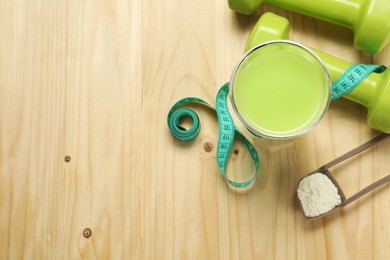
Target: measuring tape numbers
352	77
227	131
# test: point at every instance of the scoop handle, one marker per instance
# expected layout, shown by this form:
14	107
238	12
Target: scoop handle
351	153
355	151
366	190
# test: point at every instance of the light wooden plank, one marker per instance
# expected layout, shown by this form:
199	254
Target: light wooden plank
33	94
104	130
93	81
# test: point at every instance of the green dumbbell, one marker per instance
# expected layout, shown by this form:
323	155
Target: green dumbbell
369	19
373	92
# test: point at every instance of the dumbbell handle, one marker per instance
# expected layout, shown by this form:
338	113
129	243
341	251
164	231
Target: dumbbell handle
336	67
373	92
369	19
343	13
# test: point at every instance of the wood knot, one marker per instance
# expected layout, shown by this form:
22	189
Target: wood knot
208	147
87	233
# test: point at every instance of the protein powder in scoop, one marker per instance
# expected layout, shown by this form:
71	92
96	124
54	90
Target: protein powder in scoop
318	194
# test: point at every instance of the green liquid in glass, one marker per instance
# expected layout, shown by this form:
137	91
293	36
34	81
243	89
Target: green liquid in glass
280	90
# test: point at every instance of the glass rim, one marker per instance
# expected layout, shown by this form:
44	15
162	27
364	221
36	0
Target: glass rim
257	132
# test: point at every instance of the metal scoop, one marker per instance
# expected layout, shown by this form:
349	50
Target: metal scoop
325	170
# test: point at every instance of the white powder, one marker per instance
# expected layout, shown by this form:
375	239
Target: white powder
318	194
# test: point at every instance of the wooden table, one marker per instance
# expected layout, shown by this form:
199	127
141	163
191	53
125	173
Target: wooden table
88	168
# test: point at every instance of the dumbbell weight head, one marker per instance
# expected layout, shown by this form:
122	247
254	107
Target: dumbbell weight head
369	19
373	92
372	31
245	6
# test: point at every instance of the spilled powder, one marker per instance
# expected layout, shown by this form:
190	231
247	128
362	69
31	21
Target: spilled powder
318	194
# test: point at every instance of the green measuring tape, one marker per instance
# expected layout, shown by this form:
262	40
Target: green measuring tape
352	77
227	131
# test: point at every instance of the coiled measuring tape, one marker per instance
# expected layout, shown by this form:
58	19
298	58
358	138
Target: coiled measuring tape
352	78
227	131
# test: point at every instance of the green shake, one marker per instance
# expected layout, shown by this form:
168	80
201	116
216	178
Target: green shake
280	90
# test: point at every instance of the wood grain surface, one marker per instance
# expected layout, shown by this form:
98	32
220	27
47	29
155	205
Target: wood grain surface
89	170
